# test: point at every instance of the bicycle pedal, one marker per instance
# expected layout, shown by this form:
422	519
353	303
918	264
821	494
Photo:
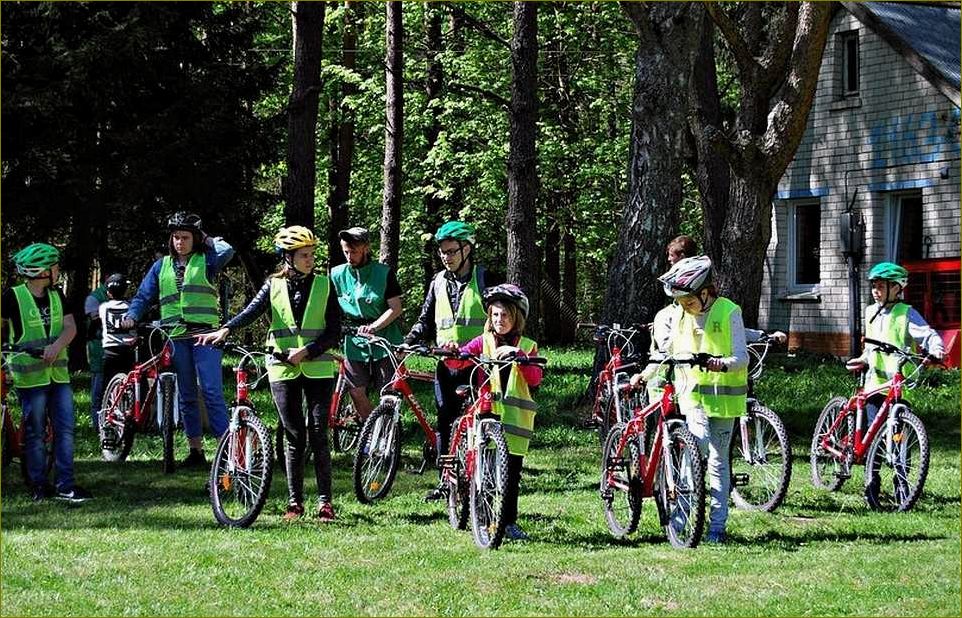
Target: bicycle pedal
617	463
740	479
842	475
446	462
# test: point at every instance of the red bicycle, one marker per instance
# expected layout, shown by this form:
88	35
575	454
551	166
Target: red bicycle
14	433
379	446
611	402
895	446
129	400
666	466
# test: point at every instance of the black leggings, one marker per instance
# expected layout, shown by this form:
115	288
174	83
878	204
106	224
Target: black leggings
510	512
288	397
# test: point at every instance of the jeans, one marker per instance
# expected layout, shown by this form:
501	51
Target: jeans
191	362
288	396
37	402
714	437
96	397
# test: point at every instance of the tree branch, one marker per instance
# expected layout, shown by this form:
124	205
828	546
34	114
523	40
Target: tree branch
747	65
487	94
480	26
779	51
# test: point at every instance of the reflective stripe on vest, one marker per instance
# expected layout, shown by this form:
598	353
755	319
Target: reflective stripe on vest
892	327
26	370
285	334
513	404
469	321
196	301
719	393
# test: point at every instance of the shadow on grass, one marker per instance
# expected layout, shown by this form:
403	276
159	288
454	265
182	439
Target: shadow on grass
793	542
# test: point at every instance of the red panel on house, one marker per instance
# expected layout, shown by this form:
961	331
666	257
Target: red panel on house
934	289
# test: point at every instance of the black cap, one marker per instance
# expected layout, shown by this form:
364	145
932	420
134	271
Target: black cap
355	235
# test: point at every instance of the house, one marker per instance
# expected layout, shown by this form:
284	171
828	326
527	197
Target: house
876	177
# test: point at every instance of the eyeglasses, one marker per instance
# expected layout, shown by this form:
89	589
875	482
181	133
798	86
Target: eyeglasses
449	253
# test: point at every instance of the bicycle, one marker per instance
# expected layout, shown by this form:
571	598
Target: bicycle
760	455
672	473
899	449
378	448
128	400
608	407
474	472
12	442
242	468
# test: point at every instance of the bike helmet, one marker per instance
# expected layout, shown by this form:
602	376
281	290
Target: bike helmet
116	285
455	230
293	238
185	221
33	259
888	271
506	292
687	276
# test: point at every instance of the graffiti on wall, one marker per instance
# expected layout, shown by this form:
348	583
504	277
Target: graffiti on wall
915	138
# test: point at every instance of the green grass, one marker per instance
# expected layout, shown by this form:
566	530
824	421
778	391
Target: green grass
148	543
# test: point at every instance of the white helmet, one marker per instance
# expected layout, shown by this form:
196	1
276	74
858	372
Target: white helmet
687	276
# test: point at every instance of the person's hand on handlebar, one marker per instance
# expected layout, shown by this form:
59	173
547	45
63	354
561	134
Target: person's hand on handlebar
506	352
366	330
211	338
715	364
931	359
50	353
127	323
450	346
778	337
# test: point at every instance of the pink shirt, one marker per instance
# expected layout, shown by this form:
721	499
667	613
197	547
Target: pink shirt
532	373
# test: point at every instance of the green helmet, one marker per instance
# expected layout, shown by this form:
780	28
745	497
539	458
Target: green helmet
887	271
33	259
455	230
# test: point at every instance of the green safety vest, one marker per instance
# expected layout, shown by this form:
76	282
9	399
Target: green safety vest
719	393
28	371
285	334
195	302
360	292
514	403
893	328
470	319
95	349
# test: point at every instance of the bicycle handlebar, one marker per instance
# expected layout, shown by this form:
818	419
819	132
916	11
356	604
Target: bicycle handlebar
888	348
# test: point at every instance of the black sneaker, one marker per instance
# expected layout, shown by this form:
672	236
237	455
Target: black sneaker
42	492
75	495
195	459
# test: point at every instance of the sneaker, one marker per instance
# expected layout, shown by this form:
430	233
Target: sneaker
435	494
514	533
195	459
325	512
75	495
294	511
42	492
716	536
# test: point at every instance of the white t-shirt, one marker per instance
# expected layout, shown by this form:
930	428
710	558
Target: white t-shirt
111	314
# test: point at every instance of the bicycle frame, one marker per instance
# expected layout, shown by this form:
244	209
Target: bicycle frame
856	406
399	389
151	369
606	384
240	449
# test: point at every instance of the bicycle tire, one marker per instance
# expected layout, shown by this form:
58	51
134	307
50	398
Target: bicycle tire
120	432
344	434
906	487
238	492
683	510
167	393
487	501
457	484
378	453
828	470
768	463
620	486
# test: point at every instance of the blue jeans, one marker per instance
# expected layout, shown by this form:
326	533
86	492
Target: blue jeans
714	437
96	397
191	362
37	402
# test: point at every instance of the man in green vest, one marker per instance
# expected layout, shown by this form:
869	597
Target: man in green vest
370	298
35	318
453	311
95	350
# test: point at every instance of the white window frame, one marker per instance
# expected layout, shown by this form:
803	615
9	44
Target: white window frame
893	220
792	285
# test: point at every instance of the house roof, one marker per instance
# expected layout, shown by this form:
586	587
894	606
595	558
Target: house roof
926	35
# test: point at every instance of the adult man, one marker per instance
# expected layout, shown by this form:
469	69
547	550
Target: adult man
452	312
370	299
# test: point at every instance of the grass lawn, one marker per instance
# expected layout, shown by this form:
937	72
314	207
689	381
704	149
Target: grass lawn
148	544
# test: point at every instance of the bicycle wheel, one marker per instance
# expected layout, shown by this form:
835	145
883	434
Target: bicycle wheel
764	468
116	420
457	483
829	471
895	469
378	453
345	431
681	505
167	394
621	483
488	487
240	475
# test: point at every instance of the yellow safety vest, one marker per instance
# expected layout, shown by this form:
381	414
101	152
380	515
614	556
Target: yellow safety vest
514	403
470	319
196	302
285	334
892	328
26	370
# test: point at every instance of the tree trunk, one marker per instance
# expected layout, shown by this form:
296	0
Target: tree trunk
393	137
342	143
432	90
521	218
308	25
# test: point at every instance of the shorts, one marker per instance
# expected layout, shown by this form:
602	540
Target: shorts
373	374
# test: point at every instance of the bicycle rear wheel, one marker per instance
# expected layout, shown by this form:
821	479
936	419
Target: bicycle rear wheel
488	487
620	485
378	453
456	481
116	420
682	502
764	468
345	431
240	475
167	394
896	468
829	470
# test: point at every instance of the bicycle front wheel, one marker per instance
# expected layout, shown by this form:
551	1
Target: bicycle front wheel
240	476
378	454
620	485
681	489
896	465
829	470
761	461
489	486
167	394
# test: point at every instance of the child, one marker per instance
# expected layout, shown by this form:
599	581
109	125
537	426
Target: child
507	310
118	342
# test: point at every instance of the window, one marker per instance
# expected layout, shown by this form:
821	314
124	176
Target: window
804	245
903	237
849	74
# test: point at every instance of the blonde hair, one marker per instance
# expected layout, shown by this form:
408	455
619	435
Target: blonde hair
517	318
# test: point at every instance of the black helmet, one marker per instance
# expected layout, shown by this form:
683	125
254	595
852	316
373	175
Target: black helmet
186	221
116	285
506	292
